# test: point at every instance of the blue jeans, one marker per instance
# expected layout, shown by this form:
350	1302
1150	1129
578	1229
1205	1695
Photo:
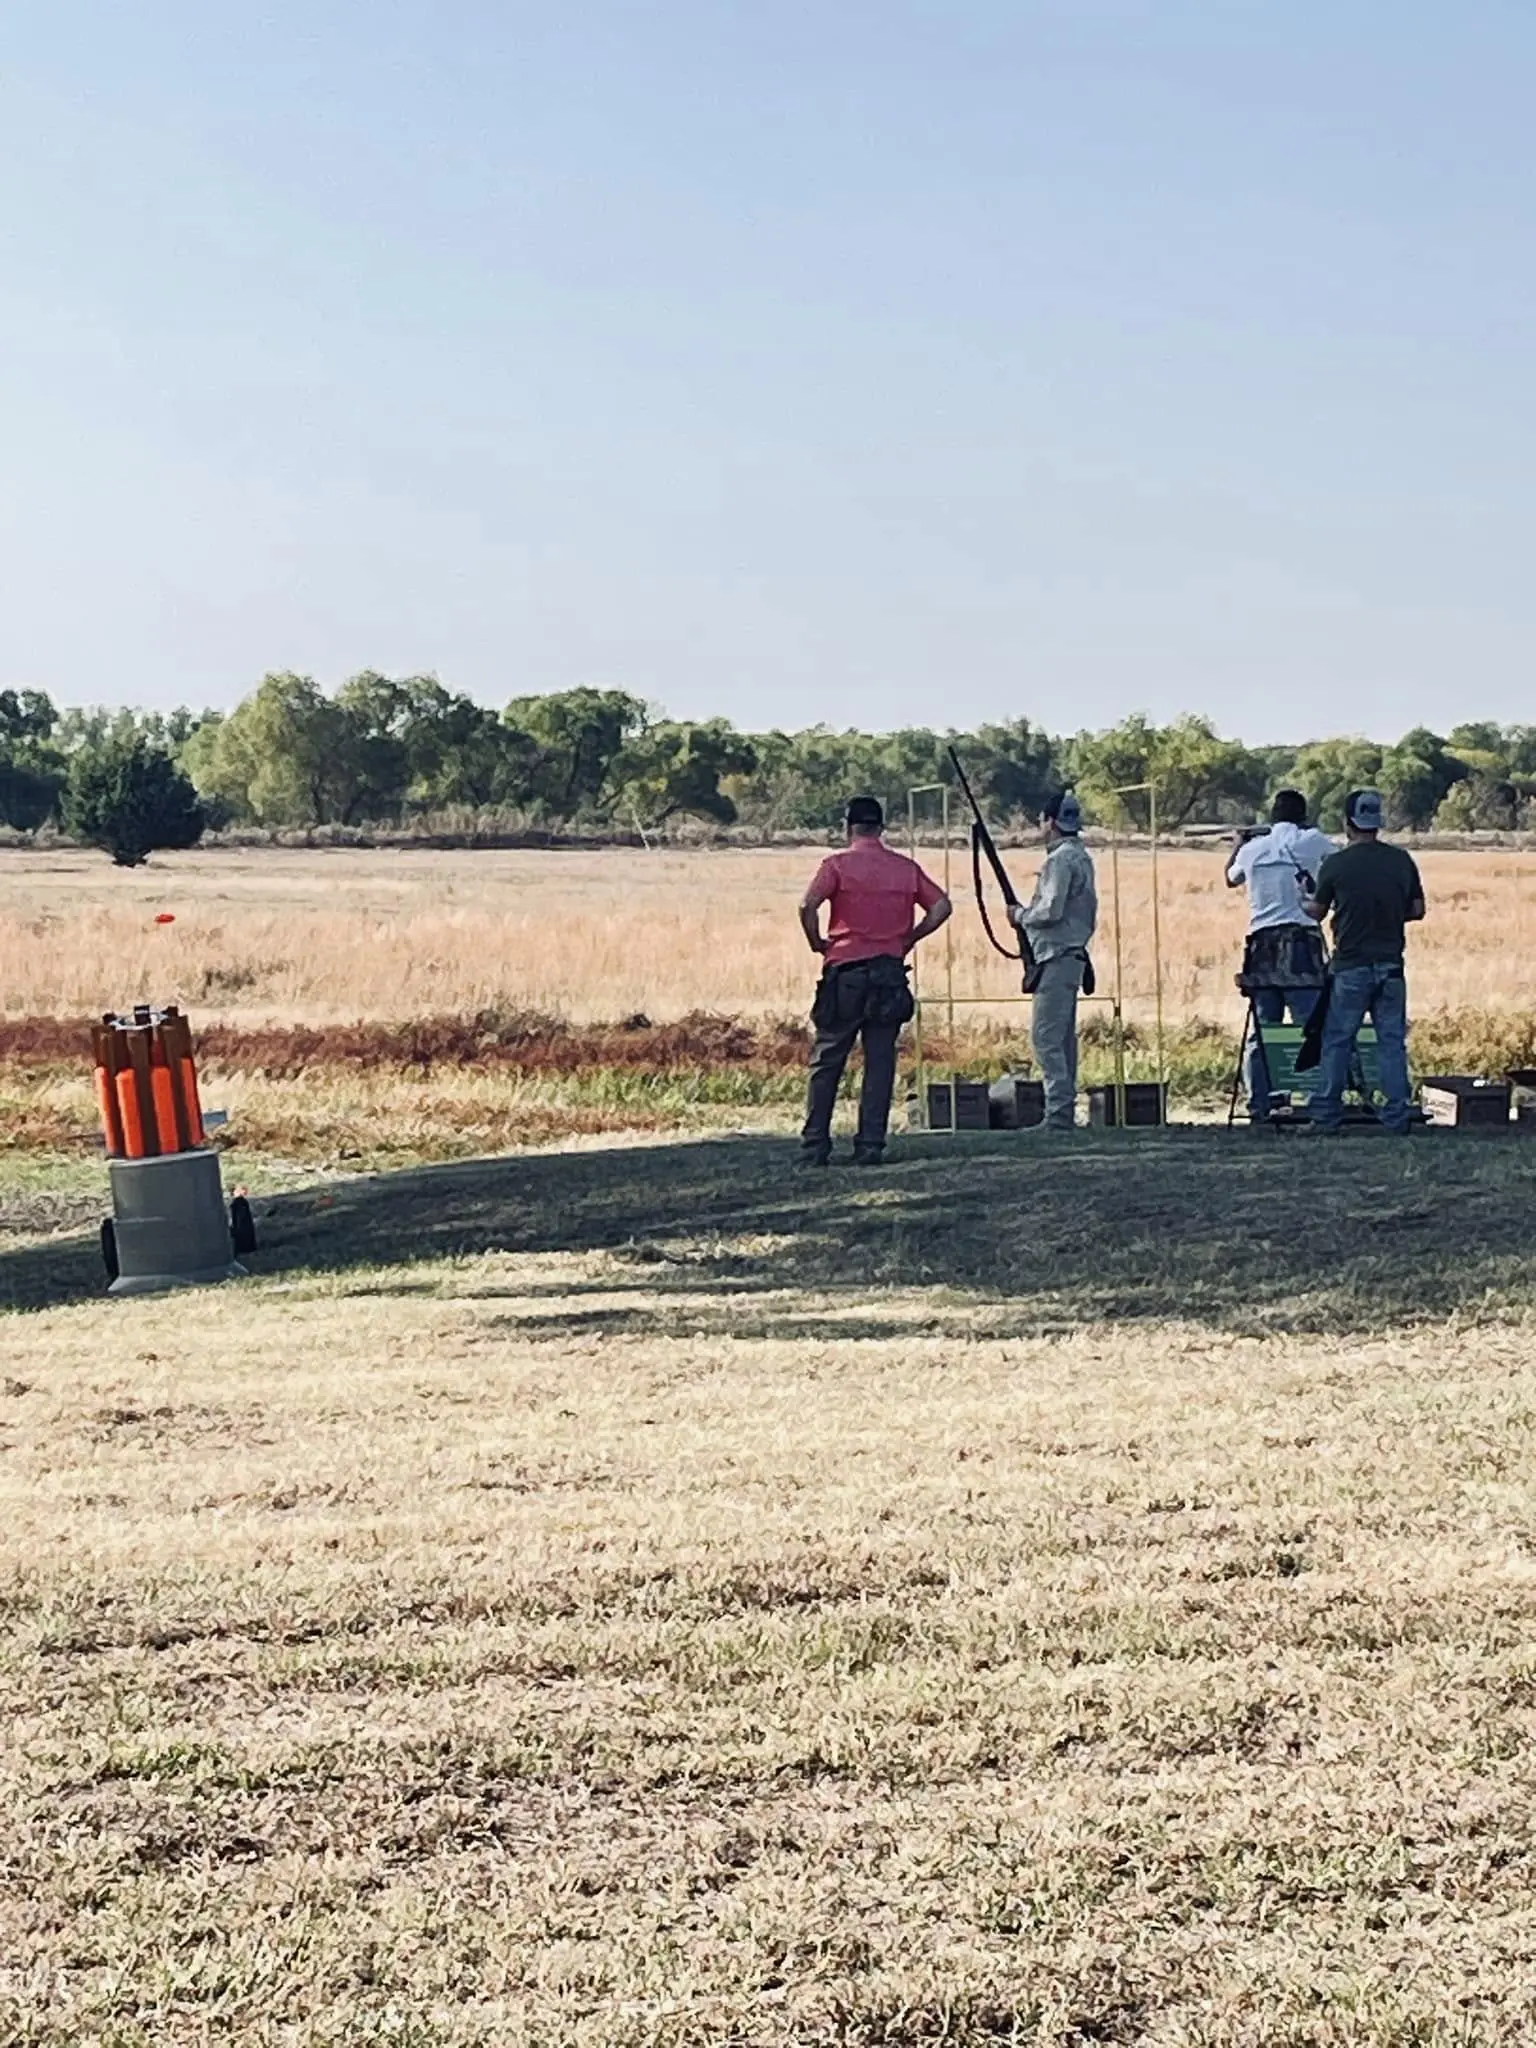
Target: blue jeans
1270	1006
1380	992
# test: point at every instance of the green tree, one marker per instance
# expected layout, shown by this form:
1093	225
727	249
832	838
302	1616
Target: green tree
128	797
829	767
290	755
1519	743
578	735
1279	766
1479	803
1013	768
1325	771
772	795
1415	777
674	769
1194	769
1482	736
462	753
32	769
803	780
26	715
168	730
888	764
384	724
30	790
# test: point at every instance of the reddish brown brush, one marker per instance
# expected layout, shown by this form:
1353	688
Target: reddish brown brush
525	1040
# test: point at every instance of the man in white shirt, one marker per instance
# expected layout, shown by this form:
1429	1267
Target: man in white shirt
1283	960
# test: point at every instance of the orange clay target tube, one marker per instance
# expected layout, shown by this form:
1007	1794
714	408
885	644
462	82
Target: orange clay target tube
146	1084
127	1089
106	1092
176	1037
111	1126
163	1089
138	1037
190	1097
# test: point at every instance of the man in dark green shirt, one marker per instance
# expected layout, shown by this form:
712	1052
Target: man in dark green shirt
1374	892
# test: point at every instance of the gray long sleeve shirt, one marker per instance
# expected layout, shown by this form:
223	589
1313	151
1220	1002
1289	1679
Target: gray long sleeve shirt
1064	911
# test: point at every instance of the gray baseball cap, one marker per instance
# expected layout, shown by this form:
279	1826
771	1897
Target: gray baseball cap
1365	810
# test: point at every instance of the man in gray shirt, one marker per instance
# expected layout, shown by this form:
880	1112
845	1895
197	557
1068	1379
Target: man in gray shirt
1059	922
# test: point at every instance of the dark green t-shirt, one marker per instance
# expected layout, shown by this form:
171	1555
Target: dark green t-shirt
1368	886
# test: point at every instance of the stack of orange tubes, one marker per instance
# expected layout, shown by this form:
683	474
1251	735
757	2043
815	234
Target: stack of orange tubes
146	1084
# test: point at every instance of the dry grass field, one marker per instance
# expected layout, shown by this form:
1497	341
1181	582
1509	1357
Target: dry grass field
399	1007
336	935
636	1596
635	1599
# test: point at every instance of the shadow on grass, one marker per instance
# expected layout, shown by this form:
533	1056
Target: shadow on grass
1235	1231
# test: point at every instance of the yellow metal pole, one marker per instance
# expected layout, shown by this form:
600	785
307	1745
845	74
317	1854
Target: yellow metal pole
949	970
1157	939
941	790
1149	790
1114	861
917	998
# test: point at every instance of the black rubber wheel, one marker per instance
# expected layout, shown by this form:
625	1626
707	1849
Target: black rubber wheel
242	1227
109	1248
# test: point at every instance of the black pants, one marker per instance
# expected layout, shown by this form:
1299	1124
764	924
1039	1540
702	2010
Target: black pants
868	1000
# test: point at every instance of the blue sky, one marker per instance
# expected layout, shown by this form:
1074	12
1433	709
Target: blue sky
875	363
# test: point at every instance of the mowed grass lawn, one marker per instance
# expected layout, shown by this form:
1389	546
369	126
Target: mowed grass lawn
1061	1594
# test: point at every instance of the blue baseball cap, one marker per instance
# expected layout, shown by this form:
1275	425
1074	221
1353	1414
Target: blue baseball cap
1365	811
1065	813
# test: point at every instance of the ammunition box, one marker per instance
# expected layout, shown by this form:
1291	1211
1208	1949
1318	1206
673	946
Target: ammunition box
1464	1102
966	1107
1016	1103
1146	1102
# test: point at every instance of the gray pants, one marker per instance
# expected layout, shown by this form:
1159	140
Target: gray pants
1053	1027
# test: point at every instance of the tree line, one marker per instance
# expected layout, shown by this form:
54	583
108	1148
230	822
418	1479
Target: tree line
385	751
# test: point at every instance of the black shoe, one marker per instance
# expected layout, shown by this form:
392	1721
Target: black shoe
867	1158
812	1157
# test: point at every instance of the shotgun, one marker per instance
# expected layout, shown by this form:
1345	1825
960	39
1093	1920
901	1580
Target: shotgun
984	845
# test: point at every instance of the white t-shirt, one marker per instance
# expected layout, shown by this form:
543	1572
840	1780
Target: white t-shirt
1271	865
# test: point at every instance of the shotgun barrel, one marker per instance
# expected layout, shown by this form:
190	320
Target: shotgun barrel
984	847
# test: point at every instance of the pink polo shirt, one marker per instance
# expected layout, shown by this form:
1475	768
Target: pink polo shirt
873	893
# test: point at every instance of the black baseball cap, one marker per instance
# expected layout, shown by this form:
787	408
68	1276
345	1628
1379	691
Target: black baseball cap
865	810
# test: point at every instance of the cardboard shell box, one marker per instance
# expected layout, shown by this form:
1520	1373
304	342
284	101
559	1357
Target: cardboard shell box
1464	1102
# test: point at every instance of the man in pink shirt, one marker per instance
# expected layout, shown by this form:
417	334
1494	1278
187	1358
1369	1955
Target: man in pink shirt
879	905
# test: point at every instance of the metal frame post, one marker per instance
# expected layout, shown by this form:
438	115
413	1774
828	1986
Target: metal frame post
1149	790
942	791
